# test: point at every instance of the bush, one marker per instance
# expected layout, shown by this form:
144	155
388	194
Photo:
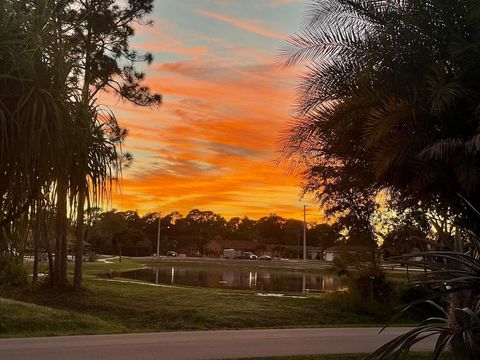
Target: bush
92	256
11	272
371	285
410	294
353	303
340	266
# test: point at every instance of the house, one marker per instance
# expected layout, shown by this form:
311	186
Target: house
216	247
293	251
344	250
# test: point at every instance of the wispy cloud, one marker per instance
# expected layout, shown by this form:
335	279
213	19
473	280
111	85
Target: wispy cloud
211	145
277	3
241	24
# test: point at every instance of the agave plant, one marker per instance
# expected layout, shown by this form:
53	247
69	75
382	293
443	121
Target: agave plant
457	275
464	338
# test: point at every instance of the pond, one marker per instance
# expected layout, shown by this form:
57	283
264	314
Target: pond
259	280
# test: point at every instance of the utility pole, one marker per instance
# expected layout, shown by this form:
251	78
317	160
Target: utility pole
298	245
158	234
304	232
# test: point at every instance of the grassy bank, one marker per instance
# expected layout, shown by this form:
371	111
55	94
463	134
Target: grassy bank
22	319
111	305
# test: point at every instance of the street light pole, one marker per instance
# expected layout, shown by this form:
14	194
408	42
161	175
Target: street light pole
158	234
304	233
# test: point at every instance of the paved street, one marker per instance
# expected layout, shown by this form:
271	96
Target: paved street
201	345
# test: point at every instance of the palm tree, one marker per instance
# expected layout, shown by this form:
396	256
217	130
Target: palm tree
58	144
100	37
390	100
32	107
391	94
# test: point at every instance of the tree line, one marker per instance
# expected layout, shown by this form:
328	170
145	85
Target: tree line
60	146
112	231
190	234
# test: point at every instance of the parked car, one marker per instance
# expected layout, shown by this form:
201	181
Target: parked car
249	255
172	253
264	257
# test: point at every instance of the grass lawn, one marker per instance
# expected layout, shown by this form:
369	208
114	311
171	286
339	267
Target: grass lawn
21	319
110	306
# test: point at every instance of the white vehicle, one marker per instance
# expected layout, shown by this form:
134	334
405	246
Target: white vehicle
250	255
231	253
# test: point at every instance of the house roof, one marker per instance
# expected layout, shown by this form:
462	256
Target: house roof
295	247
236	244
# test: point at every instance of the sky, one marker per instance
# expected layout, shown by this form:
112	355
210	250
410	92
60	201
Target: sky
213	143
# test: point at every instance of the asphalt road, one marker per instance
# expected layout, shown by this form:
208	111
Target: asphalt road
201	345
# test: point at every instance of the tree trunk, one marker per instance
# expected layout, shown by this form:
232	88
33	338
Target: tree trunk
461	299
119	250
51	266
60	278
63	274
35	253
77	277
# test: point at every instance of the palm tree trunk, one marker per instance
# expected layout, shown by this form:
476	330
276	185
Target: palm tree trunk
461	299
35	252
77	277
61	238
48	247
51	266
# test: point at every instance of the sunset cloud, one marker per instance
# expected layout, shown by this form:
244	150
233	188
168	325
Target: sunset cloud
276	3
213	143
241	24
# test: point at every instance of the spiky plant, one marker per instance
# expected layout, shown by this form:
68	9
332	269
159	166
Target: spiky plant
33	114
451	273
58	144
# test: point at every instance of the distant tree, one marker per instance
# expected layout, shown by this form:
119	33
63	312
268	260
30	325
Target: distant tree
232	228
428	216
203	226
270	228
354	209
111	230
403	239
324	235
292	232
241	229
171	229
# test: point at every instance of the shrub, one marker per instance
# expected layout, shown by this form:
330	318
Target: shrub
371	284
410	294
92	256
353	303
340	266
12	273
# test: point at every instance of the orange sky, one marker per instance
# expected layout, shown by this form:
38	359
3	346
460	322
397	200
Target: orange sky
212	144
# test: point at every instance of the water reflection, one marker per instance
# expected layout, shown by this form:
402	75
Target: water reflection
275	281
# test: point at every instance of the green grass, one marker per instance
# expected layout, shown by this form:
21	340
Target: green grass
26	319
106	306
